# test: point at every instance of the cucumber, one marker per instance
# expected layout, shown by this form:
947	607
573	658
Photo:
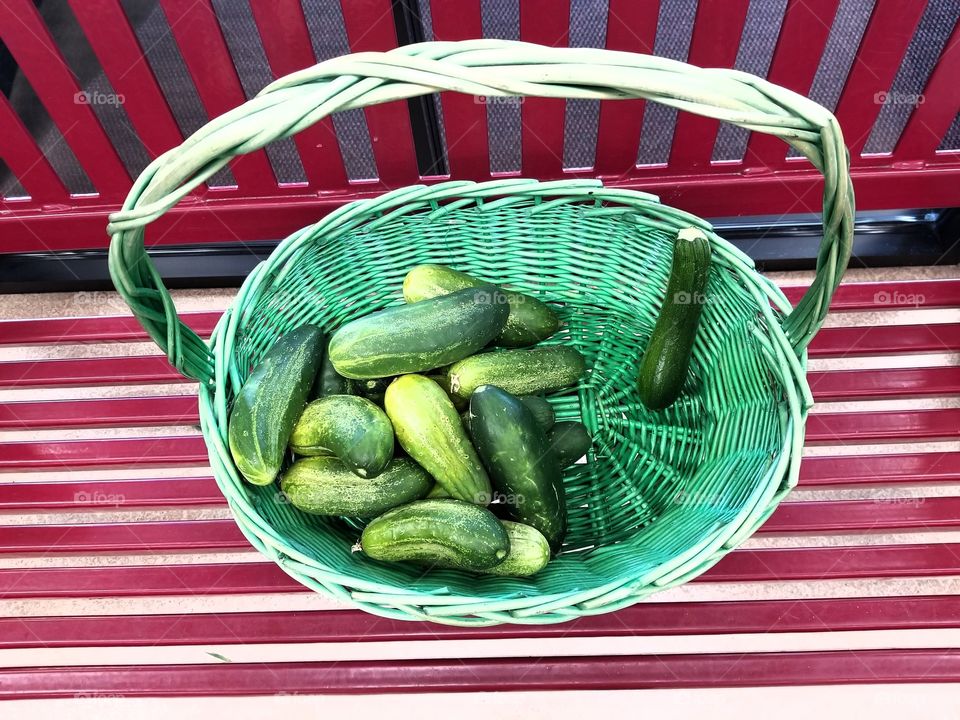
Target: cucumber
269	403
443	380
541	409
437	491
438	533
667	357
413	338
429	430
519	372
349	427
373	389
325	486
329	381
515	452
529	322
529	551
569	441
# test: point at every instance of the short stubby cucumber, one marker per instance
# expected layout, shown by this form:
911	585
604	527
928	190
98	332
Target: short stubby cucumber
325	486
349	427
519	372
329	381
269	403
529	551
429	430
438	533
423	336
529	322
515	452
569	441
666	360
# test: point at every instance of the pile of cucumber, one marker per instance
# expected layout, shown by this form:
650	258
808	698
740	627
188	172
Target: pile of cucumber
427	421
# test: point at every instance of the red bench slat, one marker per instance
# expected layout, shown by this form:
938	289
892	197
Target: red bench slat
172	451
108	328
25	160
197	31
286	42
488	674
111	412
884	383
833	516
763	565
803	36
644	619
882	48
83	372
716	39
893	468
28	40
125	64
541	136
631	27
109	494
369	27
885	340
888	425
906	295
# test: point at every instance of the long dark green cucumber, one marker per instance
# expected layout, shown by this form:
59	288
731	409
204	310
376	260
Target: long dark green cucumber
423	336
529	551
541	409
438	533
515	452
325	486
569	441
349	427
269	403
428	428
529	322
667	357
519	372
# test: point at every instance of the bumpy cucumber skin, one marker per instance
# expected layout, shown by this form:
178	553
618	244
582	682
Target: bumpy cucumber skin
569	441
349	427
515	452
529	551
438	533
541	409
329	381
519	372
423	336
269	403
429	430
325	486
666	360
529	322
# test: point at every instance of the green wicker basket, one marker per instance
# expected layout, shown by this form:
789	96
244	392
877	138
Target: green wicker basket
664	495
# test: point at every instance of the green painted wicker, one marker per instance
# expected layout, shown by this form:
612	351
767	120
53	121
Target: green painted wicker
665	494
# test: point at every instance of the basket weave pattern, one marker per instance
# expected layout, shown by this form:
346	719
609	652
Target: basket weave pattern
665	494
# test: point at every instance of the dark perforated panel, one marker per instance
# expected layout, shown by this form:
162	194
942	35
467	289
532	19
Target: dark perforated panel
501	19
588	28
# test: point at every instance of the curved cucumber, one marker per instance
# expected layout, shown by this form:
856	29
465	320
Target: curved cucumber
569	441
529	551
438	533
519	372
515	451
413	338
269	403
325	486
429	430
667	357
329	381
350	427
529	322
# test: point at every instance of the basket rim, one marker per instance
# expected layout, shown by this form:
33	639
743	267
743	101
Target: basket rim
375	597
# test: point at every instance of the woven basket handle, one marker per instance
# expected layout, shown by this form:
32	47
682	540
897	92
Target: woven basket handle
477	67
